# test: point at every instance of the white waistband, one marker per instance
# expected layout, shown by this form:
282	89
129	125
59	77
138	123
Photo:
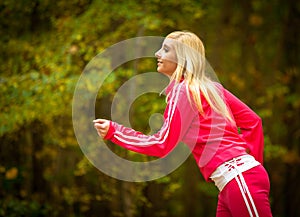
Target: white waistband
232	168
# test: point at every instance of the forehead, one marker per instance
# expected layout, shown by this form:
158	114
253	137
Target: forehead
168	42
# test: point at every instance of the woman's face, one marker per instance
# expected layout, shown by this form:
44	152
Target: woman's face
166	58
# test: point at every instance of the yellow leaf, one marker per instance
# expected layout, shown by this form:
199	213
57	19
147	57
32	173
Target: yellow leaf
255	20
12	173
2	169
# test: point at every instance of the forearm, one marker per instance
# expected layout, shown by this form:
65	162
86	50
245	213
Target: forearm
159	144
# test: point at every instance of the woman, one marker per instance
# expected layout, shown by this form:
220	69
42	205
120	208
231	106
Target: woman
225	136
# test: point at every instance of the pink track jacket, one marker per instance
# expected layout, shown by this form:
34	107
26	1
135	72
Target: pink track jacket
211	138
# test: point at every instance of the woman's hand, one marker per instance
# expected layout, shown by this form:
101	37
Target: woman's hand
102	126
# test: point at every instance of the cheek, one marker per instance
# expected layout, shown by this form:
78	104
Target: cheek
170	67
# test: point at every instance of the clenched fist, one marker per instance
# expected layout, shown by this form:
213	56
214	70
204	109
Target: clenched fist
102	126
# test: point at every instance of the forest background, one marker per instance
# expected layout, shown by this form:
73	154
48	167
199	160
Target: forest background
252	45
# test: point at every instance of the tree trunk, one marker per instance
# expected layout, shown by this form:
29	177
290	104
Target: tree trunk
290	67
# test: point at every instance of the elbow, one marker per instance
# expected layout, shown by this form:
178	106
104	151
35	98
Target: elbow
164	150
259	121
255	120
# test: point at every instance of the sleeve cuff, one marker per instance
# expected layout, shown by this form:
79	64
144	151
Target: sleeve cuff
110	132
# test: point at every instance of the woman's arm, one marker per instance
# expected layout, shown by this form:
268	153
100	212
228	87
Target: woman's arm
249	123
177	119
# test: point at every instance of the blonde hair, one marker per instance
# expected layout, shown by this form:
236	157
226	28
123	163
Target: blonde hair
191	66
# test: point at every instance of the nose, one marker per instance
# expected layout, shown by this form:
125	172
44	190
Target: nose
157	54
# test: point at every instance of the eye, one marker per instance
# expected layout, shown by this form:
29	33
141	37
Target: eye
165	49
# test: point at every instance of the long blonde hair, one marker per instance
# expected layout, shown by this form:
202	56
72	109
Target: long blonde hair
190	53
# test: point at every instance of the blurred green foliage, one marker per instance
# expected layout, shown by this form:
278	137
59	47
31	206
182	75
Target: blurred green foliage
45	45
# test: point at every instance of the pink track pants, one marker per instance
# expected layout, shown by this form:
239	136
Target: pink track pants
234	203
